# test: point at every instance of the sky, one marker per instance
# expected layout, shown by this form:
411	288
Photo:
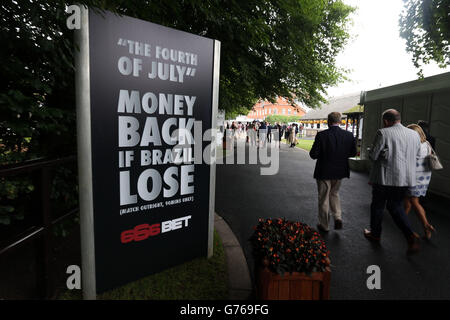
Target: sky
375	53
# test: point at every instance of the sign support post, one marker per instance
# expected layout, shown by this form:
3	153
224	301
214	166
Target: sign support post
83	103
212	181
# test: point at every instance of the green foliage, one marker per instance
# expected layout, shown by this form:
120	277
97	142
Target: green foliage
64	186
282	119
289	246
14	196
425	25
15	192
305	144
269	48
36	95
234	112
64	197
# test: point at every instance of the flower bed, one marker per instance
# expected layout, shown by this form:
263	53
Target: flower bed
289	246
292	261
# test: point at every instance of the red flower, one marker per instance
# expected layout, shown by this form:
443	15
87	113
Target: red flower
278	237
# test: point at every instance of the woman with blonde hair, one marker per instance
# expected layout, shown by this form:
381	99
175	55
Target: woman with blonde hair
423	176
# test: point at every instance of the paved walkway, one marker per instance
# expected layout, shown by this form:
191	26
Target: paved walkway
243	196
239	282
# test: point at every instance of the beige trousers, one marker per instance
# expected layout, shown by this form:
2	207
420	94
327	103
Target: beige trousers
329	201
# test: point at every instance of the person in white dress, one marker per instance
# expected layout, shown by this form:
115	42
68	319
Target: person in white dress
423	176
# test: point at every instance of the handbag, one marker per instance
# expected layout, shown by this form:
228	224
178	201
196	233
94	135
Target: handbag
435	163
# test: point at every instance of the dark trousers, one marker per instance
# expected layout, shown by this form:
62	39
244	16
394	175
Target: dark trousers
391	198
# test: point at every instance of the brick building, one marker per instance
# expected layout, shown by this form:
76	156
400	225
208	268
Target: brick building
262	109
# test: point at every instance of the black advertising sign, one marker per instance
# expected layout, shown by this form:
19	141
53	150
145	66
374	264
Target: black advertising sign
150	200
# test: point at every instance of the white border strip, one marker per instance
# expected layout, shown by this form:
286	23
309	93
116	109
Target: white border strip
212	177
83	105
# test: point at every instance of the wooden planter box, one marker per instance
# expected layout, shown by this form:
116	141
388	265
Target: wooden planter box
293	286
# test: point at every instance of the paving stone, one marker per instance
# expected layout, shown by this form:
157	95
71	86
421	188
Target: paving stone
227	236
238	274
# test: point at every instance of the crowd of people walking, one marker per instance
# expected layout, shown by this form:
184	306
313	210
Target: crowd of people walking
400	175
259	133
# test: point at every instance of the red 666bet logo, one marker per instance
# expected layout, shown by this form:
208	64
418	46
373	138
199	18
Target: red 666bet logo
144	231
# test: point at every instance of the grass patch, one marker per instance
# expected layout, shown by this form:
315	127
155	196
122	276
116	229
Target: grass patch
305	144
199	279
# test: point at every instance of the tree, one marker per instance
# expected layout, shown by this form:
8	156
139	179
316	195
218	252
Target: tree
269	48
282	119
425	25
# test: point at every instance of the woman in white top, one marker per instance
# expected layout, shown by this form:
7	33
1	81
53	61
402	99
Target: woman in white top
423	176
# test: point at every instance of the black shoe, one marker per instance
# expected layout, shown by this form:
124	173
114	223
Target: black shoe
320	228
369	236
338	224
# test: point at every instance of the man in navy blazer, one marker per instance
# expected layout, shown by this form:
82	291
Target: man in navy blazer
331	148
